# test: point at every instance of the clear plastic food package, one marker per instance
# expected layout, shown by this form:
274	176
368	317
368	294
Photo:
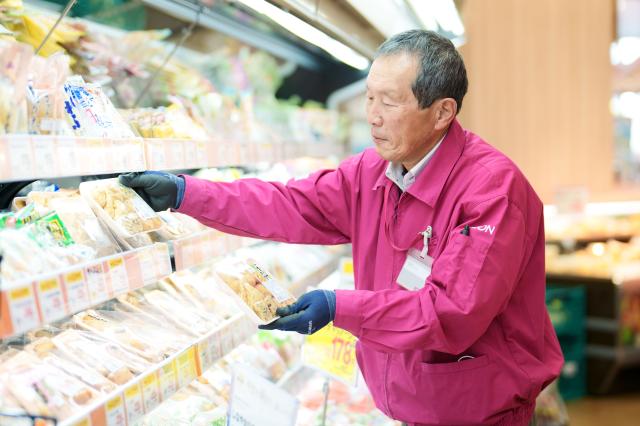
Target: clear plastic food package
257	291
121	208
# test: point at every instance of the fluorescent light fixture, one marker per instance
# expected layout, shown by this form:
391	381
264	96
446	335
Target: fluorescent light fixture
434	13
309	33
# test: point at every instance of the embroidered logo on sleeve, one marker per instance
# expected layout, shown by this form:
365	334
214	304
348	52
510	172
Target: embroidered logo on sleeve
485	228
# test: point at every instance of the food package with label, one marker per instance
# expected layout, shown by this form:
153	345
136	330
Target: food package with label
91	112
216	315
43	389
121	208
166	337
15	59
176	226
81	222
110	359
11	412
45	96
173	121
104	324
160	304
187	409
46	350
257	292
202	289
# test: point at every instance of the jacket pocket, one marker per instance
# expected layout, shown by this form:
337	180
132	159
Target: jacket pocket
463	264
452	367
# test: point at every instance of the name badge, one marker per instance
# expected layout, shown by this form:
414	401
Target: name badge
415	271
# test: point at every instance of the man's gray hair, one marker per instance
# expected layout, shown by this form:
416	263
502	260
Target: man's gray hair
441	70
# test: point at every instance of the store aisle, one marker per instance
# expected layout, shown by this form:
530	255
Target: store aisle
619	410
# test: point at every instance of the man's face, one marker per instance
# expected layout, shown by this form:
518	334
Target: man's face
401	131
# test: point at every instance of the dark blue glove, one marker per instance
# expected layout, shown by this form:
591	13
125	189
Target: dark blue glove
159	189
309	314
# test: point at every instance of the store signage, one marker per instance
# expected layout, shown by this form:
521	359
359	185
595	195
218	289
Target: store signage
255	401
332	350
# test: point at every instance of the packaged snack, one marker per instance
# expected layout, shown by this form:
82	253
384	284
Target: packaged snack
203	290
14	63
94	321
124	211
185	316
92	113
45	96
43	389
108	358
46	350
176	225
259	293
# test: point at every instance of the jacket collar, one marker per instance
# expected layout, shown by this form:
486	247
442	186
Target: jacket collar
431	180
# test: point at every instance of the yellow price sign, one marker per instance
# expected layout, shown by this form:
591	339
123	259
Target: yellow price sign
332	350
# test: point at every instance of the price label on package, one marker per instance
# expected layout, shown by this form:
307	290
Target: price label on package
116	413
51	300
147	266
77	293
168	380
186	365
333	351
118	275
257	401
135	404
22	309
151	392
96	283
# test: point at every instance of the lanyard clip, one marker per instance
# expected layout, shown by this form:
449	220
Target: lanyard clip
426	236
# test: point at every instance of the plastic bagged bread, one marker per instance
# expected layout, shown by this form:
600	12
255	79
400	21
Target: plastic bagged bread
126	214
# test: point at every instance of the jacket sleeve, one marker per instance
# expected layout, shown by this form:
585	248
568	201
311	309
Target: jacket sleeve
470	284
314	210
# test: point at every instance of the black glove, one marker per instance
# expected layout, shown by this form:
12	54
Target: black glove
309	314
159	189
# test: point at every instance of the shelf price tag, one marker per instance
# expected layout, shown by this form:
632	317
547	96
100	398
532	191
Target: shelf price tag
134	273
118	274
256	401
23	311
135	404
44	156
147	266
83	422
68	155
20	157
332	350
96	283
186	364
116	414
76	288
151	392
226	340
168	380
52	306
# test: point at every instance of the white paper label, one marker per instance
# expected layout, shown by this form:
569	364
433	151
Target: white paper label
256	401
177	154
158	160
116	412
118	273
22	306
77	294
68	156
150	392
190	154
168	380
44	157
279	292
20	158
51	300
147	267
135	404
97	156
96	283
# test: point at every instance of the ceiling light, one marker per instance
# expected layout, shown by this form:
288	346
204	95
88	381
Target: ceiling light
309	33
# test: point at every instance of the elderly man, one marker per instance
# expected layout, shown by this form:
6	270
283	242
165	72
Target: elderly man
448	248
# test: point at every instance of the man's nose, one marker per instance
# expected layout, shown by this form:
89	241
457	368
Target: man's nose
373	117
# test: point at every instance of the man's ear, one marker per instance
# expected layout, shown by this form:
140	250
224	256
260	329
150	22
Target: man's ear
445	112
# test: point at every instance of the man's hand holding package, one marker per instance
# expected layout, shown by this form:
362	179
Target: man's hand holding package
309	314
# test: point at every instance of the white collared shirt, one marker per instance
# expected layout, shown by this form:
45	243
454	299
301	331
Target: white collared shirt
394	170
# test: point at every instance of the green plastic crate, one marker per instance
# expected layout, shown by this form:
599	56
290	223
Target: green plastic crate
567	310
573	377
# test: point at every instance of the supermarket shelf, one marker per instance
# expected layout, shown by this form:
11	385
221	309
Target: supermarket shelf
299	287
38	300
130	402
201	247
25	157
30	157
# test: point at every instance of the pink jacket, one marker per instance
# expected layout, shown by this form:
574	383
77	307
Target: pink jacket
485	297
